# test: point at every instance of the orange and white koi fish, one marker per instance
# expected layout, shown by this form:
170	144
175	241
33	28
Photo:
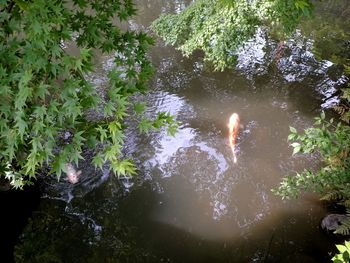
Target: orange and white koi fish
72	174
233	126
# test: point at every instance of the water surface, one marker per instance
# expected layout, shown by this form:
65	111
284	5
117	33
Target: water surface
189	201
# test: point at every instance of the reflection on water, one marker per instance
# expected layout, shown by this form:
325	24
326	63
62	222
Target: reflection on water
190	202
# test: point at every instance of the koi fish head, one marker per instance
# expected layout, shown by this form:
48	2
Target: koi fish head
234	120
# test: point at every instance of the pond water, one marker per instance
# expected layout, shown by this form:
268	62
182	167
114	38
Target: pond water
189	201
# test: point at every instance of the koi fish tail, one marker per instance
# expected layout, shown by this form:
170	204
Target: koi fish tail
234	155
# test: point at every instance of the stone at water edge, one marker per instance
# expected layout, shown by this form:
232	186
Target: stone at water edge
332	221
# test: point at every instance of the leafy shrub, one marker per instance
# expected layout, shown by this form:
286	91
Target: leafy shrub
344	253
331	141
220	28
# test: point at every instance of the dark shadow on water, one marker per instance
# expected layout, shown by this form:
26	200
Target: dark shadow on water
130	233
292	237
16	207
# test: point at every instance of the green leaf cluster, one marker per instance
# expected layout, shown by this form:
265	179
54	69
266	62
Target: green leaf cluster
331	141
344	253
331	34
344	228
220	28
45	91
162	119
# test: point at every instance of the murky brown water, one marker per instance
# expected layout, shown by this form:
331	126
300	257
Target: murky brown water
190	202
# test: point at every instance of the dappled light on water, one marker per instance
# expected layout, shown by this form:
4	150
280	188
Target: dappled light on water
190	201
205	192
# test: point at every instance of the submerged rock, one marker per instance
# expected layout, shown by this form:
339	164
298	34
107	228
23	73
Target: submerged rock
332	221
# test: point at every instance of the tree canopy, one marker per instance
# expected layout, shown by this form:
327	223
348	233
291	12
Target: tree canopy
46	95
220	28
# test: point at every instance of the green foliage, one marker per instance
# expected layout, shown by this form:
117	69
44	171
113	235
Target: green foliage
331	34
344	253
344	228
162	119
343	108
286	15
331	141
330	31
44	88
220	28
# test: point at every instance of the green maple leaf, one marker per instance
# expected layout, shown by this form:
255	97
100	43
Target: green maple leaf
78	139
40	112
103	133
21	124
72	108
139	107
36	144
145	125
172	128
116	132
81	3
85	54
75	156
78	64
98	160
36	27
123	167
107	46
58	164
109	109
24	90
42	90
31	165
